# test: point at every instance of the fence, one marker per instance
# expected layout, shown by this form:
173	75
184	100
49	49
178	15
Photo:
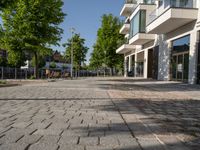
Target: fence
15	73
18	73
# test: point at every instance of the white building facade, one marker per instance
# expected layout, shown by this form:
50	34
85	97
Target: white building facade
163	39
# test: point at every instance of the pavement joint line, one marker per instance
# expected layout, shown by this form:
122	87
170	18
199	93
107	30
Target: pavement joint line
64	99
125	122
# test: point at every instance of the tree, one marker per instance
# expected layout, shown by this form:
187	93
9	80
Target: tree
3	61
16	58
79	50
97	58
41	61
108	40
33	26
5	3
52	65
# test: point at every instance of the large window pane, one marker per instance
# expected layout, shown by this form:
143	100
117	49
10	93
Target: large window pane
138	23
181	45
142	21
135	25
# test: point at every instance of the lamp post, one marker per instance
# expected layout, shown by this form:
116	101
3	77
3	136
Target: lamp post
72	32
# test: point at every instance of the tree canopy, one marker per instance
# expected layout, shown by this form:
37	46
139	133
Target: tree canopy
5	3
32	26
79	50
108	40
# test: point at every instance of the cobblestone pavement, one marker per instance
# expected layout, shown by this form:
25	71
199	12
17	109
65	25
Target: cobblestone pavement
100	114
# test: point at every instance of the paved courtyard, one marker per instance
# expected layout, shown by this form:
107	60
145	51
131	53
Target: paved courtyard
100	114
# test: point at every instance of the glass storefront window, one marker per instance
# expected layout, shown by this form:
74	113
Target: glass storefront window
181	45
180	58
138	23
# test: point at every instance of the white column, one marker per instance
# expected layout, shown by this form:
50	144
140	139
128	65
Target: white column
193	57
163	59
125	66
130	64
135	71
146	64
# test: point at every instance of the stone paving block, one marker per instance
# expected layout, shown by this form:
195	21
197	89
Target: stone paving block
99	148
21	124
29	139
11	138
13	146
38	125
71	147
48	132
71	140
150	144
127	140
96	133
49	139
61	126
109	141
42	146
68	133
89	141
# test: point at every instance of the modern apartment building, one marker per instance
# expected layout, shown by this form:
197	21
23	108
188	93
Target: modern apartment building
163	39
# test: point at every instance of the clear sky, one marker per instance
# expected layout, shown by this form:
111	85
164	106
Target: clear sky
85	17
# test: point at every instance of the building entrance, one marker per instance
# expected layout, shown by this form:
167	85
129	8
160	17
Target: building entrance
180	66
180	59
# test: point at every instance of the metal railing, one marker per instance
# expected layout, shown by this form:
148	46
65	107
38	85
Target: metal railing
171	4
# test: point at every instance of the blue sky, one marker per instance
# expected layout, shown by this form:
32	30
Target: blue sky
85	17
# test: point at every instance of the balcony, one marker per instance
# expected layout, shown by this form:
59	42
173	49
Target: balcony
128	7
141	39
125	29
168	18
125	48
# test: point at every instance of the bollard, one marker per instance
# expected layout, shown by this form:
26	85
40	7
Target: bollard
15	73
2	72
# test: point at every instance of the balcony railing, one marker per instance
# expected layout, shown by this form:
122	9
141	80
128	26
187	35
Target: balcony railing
172	4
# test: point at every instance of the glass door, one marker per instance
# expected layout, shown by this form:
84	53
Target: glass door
180	67
140	69
186	67
174	66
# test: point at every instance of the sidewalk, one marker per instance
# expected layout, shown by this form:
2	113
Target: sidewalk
165	113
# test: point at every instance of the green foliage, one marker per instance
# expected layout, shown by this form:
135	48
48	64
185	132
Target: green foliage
16	58
6	3
32	78
52	65
79	50
32	26
41	61
64	66
108	40
3	61
2	82
97	58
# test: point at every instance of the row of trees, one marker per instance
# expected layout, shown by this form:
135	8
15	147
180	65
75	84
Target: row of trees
108	40
30	27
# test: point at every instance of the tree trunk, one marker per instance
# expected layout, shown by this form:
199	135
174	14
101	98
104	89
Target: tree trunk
36	72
